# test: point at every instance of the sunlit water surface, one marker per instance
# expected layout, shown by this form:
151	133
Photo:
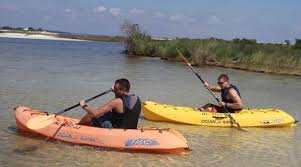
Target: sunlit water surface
53	75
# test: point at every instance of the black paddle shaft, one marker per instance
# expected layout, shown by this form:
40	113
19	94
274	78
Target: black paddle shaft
76	105
198	75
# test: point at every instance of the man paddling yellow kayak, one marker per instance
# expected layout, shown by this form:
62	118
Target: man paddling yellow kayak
231	99
200	78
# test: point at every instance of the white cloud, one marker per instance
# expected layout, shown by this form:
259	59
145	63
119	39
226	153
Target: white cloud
115	11
136	11
214	20
68	10
100	9
182	19
71	14
158	15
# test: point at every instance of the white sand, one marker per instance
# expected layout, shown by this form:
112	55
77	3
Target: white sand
35	36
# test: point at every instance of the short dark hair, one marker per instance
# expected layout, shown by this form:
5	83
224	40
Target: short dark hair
124	83
223	76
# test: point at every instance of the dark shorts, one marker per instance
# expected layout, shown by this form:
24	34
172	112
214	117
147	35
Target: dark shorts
103	121
223	110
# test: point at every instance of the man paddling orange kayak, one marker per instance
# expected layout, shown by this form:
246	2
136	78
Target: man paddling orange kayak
125	109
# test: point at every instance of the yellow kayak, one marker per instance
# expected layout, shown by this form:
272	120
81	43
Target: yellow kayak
192	116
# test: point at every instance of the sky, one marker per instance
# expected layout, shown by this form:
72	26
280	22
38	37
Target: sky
263	20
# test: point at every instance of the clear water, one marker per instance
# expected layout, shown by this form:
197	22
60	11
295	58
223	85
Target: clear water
53	75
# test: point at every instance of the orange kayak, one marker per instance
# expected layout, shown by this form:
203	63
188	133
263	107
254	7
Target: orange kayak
143	139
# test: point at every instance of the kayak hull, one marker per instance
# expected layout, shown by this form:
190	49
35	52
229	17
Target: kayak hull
143	139
192	116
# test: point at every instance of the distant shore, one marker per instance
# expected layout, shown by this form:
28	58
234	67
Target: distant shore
35	36
51	35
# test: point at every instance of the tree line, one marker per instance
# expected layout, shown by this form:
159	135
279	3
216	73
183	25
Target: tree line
244	53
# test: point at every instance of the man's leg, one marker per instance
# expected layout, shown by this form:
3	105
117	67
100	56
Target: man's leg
86	120
208	108
107	124
101	122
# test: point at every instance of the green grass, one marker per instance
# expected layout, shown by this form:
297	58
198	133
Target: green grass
241	54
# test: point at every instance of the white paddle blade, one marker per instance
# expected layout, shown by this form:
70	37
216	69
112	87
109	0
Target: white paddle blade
40	121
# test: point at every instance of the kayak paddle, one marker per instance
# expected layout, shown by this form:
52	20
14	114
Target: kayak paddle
42	121
228	113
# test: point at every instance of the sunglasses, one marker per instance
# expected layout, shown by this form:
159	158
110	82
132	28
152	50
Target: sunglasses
117	89
221	83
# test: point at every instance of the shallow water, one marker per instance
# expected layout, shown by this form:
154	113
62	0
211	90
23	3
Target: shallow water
53	75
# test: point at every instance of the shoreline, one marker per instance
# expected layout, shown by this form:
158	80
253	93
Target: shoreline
36	36
264	71
231	66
